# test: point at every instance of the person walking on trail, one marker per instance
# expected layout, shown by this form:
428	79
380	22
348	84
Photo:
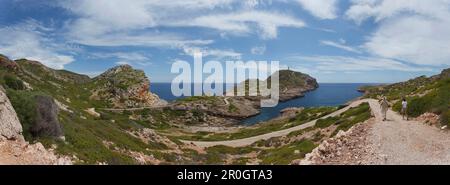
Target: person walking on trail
404	109
384	107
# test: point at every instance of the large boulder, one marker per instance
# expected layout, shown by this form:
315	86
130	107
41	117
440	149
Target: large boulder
46	121
10	127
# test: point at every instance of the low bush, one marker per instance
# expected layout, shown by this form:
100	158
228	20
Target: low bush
13	83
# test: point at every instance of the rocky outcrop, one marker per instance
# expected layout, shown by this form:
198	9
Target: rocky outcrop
445	74
294	84
429	118
125	87
346	148
24	153
5	62
10	126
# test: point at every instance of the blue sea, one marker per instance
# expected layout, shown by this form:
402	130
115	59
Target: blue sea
328	94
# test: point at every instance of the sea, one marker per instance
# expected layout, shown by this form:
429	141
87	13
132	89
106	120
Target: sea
328	94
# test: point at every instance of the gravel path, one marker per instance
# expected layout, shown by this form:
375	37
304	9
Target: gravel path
395	141
399	141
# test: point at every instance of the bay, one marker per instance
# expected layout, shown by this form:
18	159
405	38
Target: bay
328	94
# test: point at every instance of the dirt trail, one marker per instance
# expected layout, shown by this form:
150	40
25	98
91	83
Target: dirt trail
406	142
251	140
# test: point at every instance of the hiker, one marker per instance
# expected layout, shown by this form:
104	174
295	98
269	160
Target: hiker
384	107
404	109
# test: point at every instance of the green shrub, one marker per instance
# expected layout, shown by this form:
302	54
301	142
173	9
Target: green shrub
353	116
418	106
232	108
286	154
24	104
324	123
13	83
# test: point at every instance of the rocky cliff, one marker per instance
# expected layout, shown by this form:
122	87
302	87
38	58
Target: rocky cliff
10	127
125	87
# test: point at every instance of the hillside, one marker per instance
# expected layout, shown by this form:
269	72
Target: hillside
66	112
124	87
292	84
52	106
424	95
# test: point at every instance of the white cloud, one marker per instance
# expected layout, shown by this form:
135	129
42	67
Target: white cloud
123	63
340	63
143	39
340	46
217	54
323	9
414	31
124	58
29	40
383	9
258	50
115	18
267	23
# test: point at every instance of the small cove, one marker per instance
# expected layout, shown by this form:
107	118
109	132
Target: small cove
328	94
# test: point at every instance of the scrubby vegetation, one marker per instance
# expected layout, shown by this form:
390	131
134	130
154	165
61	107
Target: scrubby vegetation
13	83
305	116
112	137
90	139
287	153
352	117
347	119
423	95
25	105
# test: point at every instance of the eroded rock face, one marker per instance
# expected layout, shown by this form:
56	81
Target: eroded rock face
10	126
125	87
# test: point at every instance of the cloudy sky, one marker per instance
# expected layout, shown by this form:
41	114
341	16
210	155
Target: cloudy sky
333	40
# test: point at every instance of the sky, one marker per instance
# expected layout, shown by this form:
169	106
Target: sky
335	41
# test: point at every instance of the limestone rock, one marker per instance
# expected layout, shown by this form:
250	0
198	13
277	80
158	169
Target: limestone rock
125	87
10	126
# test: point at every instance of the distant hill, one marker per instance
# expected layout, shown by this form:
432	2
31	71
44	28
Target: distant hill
292	84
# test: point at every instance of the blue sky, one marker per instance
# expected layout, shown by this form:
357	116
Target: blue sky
379	41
